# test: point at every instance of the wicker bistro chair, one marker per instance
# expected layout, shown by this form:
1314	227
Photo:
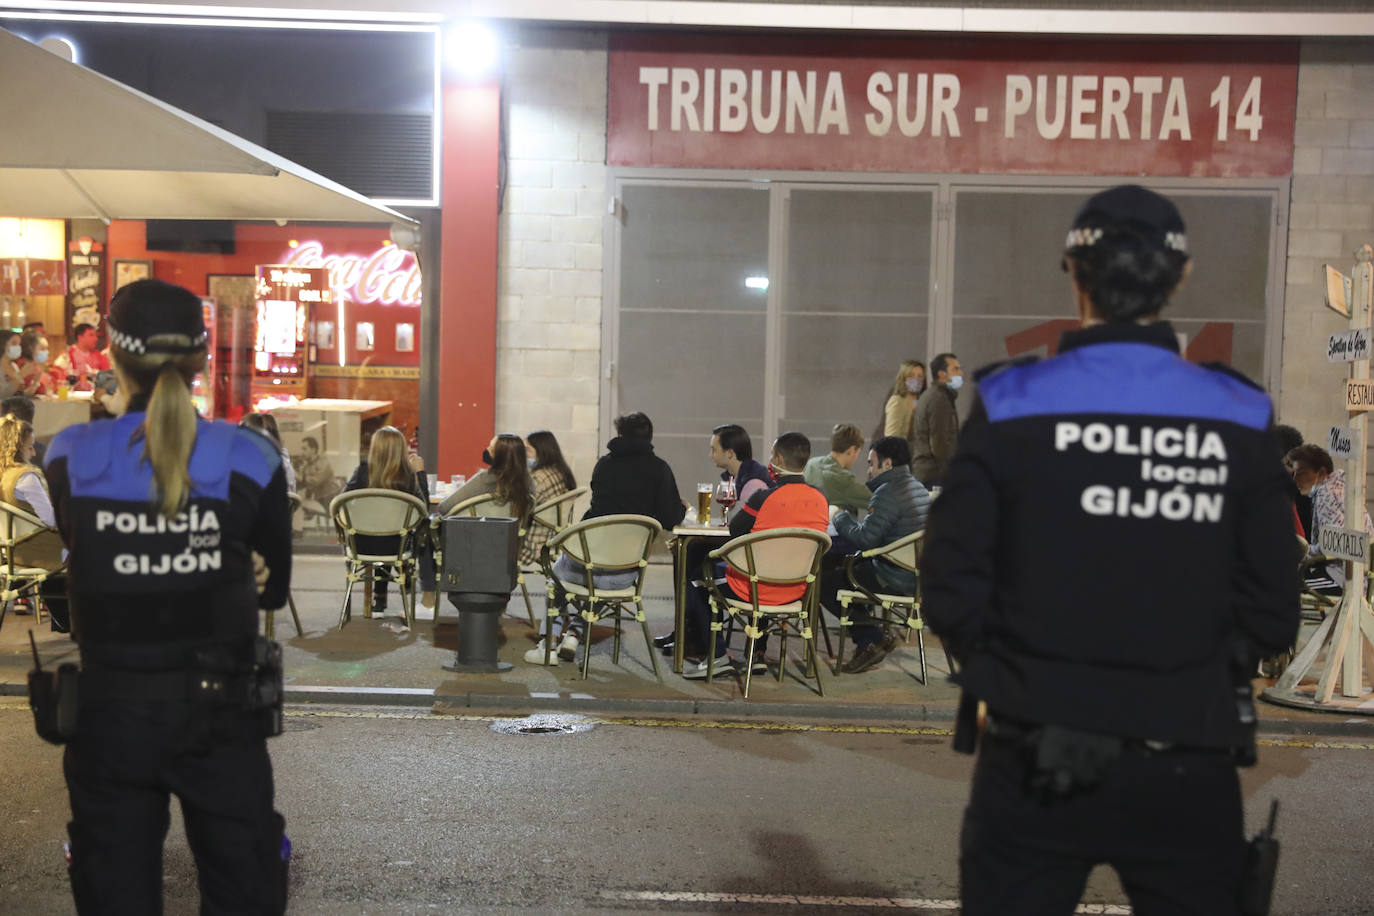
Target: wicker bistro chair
270	623
552	515
16	527
607	544
780	556
379	513
889	608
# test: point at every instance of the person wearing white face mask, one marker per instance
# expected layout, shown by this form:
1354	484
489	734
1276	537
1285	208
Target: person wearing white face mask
935	423
10	379
34	376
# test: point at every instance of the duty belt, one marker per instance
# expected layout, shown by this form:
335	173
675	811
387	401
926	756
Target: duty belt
175	685
1005	728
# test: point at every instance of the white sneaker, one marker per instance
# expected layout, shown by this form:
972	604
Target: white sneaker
696	671
535	656
567	649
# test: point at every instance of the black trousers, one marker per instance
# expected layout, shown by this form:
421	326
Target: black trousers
1170	823
127	759
834	579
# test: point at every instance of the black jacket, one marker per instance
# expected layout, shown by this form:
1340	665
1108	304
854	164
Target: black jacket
1114	526
899	507
631	479
147	591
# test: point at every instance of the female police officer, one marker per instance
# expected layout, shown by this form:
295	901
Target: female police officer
1113	540
161	511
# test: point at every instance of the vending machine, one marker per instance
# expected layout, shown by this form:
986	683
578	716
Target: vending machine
282	337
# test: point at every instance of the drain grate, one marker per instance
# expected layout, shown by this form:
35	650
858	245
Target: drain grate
543	724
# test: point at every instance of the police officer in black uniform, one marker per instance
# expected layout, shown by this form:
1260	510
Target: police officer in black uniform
162	512
1111	554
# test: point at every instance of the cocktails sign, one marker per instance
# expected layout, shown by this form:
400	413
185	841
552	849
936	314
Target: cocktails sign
388	276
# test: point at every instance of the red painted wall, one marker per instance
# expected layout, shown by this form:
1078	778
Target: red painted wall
467	345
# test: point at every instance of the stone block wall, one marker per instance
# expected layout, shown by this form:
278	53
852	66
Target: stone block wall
548	338
1331	214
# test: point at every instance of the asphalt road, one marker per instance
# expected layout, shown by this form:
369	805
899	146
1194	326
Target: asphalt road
399	812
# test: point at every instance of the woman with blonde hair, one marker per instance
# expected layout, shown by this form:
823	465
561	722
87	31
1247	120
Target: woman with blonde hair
901	401
22	486
390	465
179	533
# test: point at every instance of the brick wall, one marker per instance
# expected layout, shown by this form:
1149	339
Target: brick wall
548	338
1331	214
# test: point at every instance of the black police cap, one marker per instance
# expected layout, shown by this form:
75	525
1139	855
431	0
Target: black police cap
1152	214
151	316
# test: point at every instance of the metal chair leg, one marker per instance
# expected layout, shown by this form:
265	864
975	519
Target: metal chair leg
587	645
748	655
816	666
270	625
529	608
346	612
649	640
291	603
615	639
921	646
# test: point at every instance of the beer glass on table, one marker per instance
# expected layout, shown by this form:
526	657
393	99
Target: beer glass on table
725	495
703	504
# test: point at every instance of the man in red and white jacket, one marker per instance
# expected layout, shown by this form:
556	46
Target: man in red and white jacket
790	503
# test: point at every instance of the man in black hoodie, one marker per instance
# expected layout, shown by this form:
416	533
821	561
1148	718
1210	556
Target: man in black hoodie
630	478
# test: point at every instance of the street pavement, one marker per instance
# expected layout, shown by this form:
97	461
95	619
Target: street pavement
395	811
380	660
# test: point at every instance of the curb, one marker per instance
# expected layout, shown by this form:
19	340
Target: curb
943	715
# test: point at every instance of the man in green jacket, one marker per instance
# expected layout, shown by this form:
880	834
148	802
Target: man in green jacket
830	473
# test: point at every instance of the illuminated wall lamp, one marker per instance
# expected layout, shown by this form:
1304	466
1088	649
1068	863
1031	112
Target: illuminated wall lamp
471	49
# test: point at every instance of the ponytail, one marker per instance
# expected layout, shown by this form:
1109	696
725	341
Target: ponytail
170	434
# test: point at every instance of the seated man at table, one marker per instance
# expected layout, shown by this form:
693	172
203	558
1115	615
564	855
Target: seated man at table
733	452
789	503
628	479
830	473
899	507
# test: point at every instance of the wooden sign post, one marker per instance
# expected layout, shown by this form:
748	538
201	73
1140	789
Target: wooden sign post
1344	641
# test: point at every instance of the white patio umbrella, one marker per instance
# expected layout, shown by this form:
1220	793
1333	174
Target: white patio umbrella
74	143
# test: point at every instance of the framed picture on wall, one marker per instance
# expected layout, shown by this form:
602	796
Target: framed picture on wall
127	270
405	338
365	336
324	335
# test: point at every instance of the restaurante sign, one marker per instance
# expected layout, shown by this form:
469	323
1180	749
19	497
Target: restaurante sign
957	105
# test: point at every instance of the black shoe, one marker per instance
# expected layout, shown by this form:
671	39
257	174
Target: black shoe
864	658
665	641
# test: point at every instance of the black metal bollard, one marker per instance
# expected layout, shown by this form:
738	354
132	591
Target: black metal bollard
478	574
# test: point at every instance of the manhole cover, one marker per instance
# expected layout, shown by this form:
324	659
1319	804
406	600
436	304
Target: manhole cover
543	724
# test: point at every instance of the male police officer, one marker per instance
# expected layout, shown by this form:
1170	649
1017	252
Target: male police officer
1113	542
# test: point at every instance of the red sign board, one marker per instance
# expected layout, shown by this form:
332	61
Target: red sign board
1126	107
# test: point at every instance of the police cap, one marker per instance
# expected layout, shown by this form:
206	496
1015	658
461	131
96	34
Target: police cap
151	316
1150	214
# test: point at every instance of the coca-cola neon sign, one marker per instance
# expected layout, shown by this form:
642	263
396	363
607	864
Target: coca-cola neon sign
389	276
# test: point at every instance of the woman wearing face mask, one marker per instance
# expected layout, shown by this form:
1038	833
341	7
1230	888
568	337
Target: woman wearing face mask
507	476
901	400
551	477
10	380
34	375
